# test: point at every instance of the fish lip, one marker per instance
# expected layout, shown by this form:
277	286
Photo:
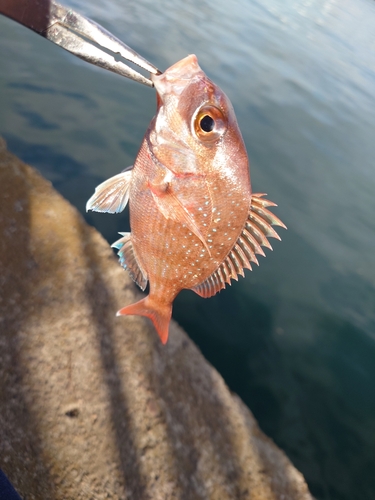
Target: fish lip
176	78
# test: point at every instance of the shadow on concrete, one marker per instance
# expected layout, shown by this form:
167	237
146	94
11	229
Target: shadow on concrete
21	443
101	303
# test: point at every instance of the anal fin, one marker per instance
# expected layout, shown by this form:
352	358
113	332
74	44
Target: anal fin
129	261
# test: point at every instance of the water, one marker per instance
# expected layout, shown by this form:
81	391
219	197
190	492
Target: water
296	338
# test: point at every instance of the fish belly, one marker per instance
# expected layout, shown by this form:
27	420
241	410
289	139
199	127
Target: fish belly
173	257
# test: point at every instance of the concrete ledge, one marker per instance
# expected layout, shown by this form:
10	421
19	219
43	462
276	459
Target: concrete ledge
92	405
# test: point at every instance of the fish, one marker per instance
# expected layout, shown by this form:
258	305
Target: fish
195	223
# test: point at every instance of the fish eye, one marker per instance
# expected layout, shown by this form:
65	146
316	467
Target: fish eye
209	123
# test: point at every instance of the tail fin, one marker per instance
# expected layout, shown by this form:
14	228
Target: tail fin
160	314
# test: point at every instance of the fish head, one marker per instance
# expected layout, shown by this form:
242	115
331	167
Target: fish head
195	129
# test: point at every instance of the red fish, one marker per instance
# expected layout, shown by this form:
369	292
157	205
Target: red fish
194	221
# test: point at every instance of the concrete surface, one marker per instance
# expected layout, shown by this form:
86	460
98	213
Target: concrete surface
92	406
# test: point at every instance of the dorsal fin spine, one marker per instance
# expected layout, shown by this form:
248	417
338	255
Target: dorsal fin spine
258	235
206	287
228	271
241	256
268	216
245	248
212	284
254	244
112	195
232	269
221	275
257	199
212	281
236	263
244	260
216	281
248	247
263	226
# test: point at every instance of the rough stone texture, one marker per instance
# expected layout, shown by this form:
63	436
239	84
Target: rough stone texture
92	406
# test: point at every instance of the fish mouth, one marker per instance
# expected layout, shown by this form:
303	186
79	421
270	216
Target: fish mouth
176	78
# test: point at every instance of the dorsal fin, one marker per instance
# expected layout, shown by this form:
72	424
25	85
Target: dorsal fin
112	195
254	234
129	261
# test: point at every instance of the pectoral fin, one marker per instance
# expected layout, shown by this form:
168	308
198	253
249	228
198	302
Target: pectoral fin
172	208
112	195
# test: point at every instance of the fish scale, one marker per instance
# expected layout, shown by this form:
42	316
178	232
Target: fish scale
168	258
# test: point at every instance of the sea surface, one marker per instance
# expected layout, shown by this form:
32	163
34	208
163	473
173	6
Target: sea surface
295	338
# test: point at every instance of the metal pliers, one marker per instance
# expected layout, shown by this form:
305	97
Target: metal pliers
77	34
